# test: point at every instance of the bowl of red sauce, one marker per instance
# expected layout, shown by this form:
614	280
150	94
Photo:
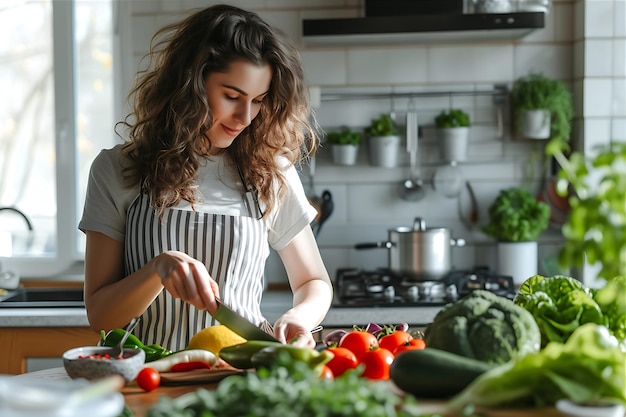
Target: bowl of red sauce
95	362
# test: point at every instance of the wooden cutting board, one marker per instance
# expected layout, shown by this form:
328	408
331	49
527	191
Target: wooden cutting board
198	376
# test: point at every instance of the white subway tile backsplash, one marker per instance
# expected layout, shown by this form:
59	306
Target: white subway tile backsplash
599	21
325	67
455	64
553	60
598	94
379	66
619	58
618	129
598	58
619	97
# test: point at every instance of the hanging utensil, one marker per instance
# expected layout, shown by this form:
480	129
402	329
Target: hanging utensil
447	180
325	212
412	189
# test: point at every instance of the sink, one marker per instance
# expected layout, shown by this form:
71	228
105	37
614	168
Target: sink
43	298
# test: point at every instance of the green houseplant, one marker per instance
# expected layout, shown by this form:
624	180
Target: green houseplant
453	134
452	118
547	101
344	144
516	219
383	141
517	216
595	230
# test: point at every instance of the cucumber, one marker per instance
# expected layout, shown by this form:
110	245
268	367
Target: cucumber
434	373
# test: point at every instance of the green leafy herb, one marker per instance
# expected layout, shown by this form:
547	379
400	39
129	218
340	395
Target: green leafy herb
452	118
289	389
382	126
344	136
561	304
588	367
516	216
535	92
595	231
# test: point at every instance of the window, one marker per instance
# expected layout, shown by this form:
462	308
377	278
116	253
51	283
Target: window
56	74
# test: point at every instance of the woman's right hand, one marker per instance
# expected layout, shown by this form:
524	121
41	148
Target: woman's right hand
187	278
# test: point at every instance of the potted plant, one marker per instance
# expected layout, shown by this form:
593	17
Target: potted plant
344	145
383	141
516	219
453	133
594	232
542	108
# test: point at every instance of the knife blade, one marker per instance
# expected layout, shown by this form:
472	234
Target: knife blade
239	324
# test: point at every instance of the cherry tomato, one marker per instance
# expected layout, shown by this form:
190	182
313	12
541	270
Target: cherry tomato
415	344
359	342
395	339
148	379
326	373
377	363
342	360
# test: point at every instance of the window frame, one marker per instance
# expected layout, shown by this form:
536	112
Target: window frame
69	257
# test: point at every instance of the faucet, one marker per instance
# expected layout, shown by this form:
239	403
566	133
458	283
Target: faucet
29	224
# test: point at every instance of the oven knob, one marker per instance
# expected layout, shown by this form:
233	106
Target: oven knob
389	294
413	293
452	293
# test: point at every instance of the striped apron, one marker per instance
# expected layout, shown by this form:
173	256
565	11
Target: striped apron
233	248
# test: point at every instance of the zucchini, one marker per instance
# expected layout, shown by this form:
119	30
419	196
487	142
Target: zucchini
434	373
240	356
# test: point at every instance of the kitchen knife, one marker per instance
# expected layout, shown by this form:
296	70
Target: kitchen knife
240	325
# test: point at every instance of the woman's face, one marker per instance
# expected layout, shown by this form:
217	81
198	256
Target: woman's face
235	98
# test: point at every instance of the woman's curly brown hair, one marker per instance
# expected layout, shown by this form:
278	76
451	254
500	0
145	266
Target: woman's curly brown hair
171	112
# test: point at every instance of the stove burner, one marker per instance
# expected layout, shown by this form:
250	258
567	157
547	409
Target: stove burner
383	287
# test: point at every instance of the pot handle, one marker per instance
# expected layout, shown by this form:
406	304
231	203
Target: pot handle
374	245
457	242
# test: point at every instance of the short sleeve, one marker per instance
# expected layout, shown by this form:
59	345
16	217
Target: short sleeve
294	213
107	200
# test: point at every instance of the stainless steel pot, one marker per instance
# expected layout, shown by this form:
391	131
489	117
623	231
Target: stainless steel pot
419	252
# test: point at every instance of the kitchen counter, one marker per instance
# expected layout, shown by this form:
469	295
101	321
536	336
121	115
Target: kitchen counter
273	305
139	401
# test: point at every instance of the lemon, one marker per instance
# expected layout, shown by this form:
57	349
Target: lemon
215	338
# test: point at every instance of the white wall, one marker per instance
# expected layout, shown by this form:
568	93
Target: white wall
366	202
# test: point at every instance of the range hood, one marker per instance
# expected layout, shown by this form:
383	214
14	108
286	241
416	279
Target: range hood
421	29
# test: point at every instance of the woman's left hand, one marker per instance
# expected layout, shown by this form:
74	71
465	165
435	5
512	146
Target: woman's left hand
288	329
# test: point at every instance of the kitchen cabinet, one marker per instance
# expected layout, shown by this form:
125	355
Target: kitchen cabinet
22	343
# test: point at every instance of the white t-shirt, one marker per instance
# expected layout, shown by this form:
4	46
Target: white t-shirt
220	189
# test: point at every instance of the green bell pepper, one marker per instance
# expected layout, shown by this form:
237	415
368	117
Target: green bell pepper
114	337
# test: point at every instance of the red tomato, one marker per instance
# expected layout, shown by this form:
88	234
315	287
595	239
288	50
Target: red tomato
377	363
342	360
148	379
395	339
415	344
359	342
326	373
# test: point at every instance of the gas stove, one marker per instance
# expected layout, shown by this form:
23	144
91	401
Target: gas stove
386	288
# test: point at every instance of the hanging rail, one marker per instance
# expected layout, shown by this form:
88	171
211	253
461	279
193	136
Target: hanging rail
498	90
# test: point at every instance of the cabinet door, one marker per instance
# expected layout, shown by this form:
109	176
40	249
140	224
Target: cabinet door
18	344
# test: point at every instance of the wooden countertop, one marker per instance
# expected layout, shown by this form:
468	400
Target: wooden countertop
139	401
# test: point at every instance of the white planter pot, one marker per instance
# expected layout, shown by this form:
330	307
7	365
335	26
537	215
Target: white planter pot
383	151
453	143
517	259
535	124
345	154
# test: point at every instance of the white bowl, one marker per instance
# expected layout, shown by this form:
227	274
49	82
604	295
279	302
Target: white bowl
79	364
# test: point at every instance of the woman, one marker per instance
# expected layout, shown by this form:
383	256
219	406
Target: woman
183	213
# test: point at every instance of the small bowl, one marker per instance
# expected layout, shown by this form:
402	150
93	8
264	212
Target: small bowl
79	363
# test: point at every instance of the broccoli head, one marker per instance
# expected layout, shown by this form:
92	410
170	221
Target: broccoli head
486	327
